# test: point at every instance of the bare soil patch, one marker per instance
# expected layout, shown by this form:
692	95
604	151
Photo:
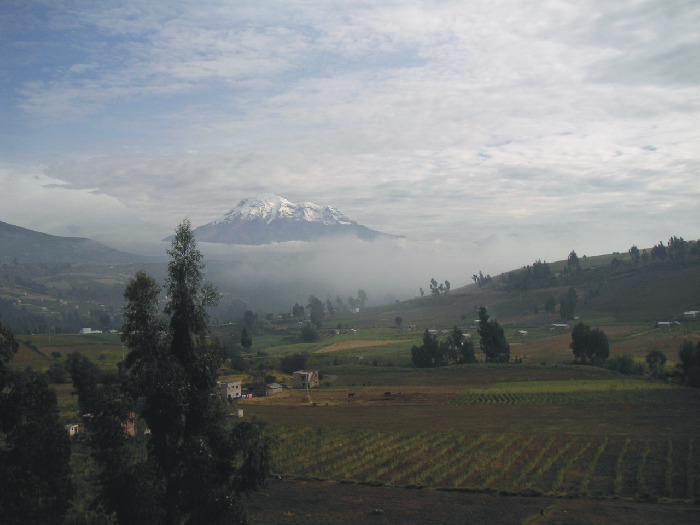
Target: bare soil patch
294	502
363	343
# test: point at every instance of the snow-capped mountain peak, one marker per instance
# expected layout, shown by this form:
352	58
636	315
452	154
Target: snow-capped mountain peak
270	218
269	208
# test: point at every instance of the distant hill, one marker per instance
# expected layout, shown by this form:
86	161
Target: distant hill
22	246
270	219
610	288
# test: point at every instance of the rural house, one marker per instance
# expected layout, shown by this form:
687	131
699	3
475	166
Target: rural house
306	379
273	389
229	389
73	429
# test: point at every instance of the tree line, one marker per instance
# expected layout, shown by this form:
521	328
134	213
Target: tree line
458	349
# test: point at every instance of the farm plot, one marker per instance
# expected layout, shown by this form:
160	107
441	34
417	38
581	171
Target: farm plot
558	465
566	392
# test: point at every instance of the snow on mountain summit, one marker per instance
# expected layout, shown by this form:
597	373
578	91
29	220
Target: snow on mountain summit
269	208
269	218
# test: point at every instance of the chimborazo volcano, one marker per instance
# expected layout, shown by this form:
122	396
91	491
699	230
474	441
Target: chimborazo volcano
270	219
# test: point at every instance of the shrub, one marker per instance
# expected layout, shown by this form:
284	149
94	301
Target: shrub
625	365
57	374
309	334
291	363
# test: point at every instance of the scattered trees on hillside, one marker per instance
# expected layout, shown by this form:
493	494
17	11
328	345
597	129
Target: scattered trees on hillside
35	482
527	277
492	339
437	289
481	279
589	346
572	261
432	353
359	301
676	248
659	252
634	254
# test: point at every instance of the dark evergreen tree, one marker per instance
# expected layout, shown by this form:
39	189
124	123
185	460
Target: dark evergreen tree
589	346
572	261
567	304
246	340
316	311
492	339
35	482
197	465
689	355
426	355
550	305
298	311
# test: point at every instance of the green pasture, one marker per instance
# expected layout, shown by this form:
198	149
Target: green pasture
37	351
574	385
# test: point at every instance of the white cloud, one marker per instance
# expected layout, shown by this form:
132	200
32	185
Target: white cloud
435	120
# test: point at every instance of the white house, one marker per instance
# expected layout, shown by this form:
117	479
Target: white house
229	389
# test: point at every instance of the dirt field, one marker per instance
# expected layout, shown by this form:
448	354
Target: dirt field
350	345
288	502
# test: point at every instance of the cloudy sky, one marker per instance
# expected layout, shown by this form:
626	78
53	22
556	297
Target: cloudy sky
486	128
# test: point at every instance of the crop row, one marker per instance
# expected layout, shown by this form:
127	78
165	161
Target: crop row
546	464
558	398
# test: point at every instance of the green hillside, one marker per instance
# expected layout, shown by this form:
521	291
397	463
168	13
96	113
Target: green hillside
610	289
